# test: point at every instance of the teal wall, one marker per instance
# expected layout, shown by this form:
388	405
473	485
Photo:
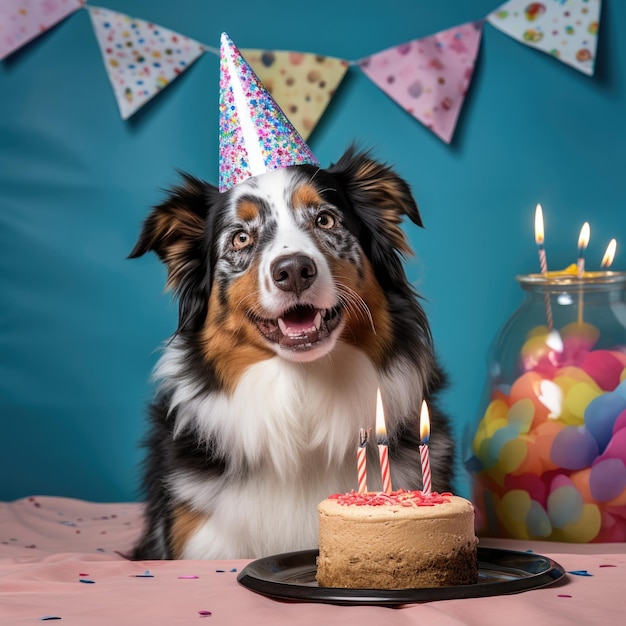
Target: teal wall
80	325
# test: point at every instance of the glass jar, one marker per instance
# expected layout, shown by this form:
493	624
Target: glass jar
548	458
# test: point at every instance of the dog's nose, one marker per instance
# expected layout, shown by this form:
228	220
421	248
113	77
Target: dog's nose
294	273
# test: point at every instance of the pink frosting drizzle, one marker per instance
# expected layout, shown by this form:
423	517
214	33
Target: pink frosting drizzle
399	498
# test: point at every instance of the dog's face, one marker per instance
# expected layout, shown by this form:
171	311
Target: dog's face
287	262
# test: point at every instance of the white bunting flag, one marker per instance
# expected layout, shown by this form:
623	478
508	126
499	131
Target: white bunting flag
141	58
565	29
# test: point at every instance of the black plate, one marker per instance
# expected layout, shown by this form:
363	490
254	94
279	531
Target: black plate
291	576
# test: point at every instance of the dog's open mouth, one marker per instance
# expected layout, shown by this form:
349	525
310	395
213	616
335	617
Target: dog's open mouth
301	327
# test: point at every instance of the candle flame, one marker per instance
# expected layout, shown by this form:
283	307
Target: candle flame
381	430
538	225
609	255
424	423
583	238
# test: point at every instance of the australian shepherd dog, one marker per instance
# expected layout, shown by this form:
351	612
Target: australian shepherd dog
294	308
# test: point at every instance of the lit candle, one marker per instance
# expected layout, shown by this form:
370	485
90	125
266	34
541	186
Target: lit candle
383	450
539	240
362	459
424	455
609	255
583	242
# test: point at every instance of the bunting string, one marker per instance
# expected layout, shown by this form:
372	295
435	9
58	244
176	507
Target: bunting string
428	77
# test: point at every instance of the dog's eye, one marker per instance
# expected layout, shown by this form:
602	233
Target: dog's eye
325	220
241	240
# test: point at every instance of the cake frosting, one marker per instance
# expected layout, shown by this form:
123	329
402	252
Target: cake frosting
401	540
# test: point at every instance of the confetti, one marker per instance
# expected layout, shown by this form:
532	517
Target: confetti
47	618
189	577
564	595
401	497
580	572
87	580
204	613
607	565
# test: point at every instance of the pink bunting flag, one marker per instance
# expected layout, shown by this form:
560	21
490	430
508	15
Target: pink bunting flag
429	77
140	58
23	20
565	29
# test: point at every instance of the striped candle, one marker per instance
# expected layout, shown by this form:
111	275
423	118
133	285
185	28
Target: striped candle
543	263
362	460
583	242
383	450
424	454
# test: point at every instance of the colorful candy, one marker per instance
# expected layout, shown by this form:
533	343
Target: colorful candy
550	451
573	448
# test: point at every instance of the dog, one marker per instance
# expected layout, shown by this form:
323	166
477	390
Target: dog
294	308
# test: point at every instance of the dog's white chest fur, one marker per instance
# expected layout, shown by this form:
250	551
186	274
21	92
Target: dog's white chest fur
290	433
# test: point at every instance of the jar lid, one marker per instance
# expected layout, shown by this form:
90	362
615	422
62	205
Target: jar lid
567	280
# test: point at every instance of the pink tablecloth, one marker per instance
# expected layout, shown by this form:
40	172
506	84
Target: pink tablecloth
58	559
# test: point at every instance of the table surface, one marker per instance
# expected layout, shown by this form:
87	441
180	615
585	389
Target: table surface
60	558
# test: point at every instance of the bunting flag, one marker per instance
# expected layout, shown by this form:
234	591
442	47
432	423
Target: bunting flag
302	84
23	20
566	29
140	58
429	77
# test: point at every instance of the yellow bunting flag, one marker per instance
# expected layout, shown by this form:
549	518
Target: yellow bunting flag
302	84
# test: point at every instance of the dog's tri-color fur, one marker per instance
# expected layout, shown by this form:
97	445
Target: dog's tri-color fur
294	309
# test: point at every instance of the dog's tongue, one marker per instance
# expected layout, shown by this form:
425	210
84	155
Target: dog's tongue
300	320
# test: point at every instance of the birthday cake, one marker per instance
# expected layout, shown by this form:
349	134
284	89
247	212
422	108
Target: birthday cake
400	540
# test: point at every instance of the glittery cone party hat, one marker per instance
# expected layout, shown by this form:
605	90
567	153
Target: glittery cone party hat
255	135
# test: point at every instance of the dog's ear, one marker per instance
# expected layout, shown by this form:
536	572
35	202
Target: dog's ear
176	231
380	199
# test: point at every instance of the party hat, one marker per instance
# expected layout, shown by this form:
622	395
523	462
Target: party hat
255	135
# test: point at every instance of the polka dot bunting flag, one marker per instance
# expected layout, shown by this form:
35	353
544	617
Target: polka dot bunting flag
23	20
565	29
429	77
301	83
140	58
